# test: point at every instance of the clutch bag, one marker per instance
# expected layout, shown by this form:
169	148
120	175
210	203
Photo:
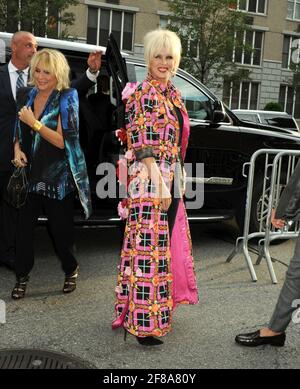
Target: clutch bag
17	188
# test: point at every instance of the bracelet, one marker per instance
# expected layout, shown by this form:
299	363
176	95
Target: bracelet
37	126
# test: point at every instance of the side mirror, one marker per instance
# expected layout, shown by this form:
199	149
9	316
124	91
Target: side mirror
218	116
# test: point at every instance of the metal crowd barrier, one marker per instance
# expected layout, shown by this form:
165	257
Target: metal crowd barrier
277	167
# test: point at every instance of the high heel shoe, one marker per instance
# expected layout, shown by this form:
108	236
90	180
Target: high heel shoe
145	341
19	290
70	281
149	341
118	322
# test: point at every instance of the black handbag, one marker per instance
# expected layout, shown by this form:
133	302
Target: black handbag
17	188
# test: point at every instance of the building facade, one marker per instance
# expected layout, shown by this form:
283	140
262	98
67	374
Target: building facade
274	34
129	20
274	37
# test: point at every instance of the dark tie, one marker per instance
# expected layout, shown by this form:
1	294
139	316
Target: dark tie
20	80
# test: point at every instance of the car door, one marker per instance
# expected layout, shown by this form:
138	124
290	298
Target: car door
116	67
215	146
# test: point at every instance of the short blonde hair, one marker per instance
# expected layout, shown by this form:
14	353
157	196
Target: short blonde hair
55	63
158	39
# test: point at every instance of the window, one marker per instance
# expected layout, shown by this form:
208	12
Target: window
242	95
252	40
290	51
102	22
255	6
278	120
289	99
164	21
197	103
286	51
293	11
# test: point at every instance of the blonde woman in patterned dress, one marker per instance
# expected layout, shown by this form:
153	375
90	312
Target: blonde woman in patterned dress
156	272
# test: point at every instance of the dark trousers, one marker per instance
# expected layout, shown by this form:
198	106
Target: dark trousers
61	226
8	220
289	298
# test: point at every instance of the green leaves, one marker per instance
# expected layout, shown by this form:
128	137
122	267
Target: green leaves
39	17
207	30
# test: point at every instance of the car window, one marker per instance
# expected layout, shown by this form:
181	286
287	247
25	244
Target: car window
140	73
2	51
247	116
197	103
279	121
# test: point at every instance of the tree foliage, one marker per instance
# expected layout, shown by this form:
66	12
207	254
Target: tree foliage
36	16
207	30
273	106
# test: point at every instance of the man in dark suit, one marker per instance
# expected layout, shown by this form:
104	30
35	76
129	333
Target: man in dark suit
23	46
98	117
13	76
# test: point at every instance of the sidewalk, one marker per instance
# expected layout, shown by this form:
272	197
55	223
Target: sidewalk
202	336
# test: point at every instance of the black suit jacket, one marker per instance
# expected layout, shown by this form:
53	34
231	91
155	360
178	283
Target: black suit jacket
8	112
7	121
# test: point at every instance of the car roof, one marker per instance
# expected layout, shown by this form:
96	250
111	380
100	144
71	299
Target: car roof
87	48
61	44
253	111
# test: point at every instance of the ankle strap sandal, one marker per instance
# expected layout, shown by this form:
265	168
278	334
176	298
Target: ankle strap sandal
19	290
70	281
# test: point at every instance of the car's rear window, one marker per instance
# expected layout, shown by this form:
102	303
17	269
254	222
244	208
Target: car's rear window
280	121
247	116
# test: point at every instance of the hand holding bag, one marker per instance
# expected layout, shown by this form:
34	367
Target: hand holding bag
17	188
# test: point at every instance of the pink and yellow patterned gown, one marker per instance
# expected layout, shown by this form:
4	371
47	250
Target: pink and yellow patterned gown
156	271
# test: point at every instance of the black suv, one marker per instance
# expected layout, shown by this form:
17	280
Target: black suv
218	138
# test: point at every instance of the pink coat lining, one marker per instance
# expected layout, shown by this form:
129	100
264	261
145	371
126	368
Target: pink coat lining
184	279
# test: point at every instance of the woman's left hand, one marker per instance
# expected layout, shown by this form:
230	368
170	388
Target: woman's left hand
27	116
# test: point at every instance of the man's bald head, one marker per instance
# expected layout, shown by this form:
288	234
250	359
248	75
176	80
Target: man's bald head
23	47
20	35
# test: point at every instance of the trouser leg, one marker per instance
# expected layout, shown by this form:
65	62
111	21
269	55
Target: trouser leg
8	221
27	220
61	224
289	293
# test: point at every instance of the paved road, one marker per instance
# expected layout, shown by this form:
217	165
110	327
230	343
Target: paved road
202	336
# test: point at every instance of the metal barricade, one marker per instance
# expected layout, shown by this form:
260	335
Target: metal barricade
275	167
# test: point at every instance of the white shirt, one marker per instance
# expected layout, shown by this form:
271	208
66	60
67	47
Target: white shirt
91	76
13	75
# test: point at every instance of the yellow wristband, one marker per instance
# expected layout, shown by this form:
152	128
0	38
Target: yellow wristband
37	126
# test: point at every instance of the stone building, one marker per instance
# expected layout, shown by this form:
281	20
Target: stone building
273	36
129	20
275	30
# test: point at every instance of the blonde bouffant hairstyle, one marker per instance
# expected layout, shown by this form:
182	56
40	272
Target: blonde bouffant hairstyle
158	39
55	63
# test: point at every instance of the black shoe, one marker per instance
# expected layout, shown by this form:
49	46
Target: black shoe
145	341
254	339
149	341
